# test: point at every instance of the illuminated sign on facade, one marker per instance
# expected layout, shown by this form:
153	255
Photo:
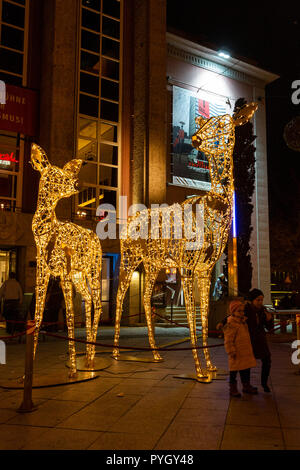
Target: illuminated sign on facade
190	166
8	158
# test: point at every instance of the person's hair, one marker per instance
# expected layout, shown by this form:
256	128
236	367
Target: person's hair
12	275
235	305
254	293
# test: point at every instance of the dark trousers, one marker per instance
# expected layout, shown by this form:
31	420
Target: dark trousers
265	369
244	374
10	313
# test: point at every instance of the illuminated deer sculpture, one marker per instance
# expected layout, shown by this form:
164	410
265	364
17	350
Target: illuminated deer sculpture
65	250
216	138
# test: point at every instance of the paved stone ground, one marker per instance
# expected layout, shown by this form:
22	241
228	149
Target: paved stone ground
136	405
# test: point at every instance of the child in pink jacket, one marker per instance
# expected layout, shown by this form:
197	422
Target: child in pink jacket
239	349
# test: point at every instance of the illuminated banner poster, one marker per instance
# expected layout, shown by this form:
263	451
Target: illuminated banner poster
19	113
190	167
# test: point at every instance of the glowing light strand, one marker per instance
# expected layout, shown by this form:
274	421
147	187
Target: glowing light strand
65	250
216	138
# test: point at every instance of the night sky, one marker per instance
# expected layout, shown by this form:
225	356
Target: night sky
269	37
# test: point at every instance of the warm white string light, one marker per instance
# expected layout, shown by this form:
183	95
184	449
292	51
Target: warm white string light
65	250
216	138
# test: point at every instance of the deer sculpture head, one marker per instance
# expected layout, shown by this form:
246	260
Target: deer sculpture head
216	138
57	182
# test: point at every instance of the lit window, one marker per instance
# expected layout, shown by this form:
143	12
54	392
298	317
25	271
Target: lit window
98	100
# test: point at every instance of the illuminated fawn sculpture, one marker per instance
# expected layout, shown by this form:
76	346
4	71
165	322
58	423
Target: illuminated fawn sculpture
66	250
216	138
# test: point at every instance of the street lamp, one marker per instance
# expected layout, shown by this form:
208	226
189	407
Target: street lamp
224	54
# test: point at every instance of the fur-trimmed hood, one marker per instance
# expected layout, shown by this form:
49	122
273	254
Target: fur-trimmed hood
235	319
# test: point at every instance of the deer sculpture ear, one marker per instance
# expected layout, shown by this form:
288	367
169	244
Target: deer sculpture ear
244	114
39	159
73	166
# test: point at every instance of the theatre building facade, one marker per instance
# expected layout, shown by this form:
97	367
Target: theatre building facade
103	81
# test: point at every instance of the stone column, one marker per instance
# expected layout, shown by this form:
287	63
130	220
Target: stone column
140	101
149	128
157	102
58	85
260	246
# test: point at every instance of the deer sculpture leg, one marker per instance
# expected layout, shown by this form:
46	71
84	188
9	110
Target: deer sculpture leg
42	278
187	284
67	288
124	281
204	280
84	291
95	284
94	279
150	279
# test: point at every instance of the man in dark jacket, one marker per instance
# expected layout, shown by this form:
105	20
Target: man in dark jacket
258	319
11	292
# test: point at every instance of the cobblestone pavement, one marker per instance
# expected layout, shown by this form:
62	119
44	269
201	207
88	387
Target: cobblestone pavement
141	405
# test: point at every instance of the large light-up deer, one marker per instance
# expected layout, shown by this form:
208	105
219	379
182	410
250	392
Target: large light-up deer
66	250
216	138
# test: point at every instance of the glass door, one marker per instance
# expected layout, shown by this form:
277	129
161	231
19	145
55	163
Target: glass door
8	263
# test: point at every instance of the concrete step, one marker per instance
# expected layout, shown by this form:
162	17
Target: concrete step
179	315
180	309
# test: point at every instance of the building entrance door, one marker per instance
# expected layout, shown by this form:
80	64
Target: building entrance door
8	263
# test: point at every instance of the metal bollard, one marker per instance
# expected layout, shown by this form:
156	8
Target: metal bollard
294	326
27	405
283	324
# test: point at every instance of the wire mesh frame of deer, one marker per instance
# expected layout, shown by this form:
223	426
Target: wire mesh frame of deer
215	137
66	250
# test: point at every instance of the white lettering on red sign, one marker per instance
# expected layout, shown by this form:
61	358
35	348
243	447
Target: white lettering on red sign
2	92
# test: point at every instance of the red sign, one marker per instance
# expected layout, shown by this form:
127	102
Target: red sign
199	164
19	113
8	157
203	108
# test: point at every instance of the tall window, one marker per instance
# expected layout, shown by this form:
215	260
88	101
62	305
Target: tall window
13	64
12	41
99	103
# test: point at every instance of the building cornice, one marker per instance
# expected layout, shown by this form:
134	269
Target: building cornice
200	56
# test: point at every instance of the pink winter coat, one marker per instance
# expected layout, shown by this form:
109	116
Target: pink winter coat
237	341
